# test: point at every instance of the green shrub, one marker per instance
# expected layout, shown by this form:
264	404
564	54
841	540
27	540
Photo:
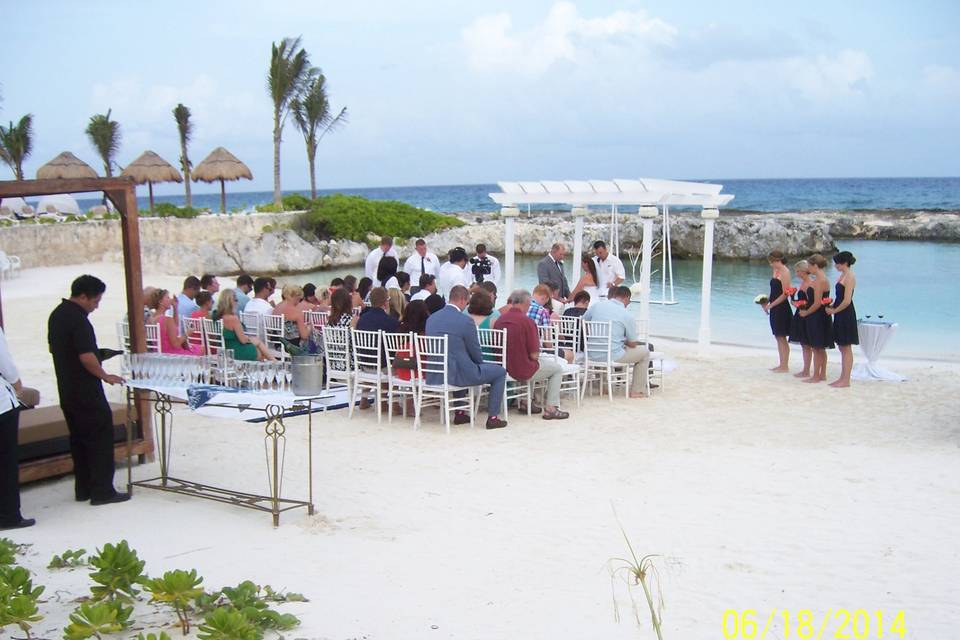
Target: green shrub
170	210
355	218
225	623
296	202
268	208
8	551
94	620
118	571
178	589
70	558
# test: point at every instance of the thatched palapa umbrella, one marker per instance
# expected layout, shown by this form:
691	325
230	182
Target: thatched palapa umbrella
150	168
64	167
221	165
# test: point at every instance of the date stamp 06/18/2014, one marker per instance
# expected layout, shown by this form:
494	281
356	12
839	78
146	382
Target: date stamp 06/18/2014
805	624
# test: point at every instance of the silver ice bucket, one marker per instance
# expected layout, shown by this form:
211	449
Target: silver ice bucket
307	375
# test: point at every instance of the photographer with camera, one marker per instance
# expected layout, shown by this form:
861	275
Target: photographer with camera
485	267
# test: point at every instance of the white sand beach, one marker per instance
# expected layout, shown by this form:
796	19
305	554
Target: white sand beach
758	491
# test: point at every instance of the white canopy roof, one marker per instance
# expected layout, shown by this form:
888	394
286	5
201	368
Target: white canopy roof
644	191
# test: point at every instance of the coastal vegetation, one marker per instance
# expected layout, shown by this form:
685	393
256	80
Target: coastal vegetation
104	135
16	143
356	218
181	115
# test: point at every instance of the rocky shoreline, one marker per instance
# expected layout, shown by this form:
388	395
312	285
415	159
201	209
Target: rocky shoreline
263	243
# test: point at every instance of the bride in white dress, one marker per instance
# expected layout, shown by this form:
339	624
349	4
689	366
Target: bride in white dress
588	281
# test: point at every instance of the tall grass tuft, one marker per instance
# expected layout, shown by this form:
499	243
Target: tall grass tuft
635	571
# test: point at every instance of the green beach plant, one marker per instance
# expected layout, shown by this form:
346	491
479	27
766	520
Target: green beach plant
289	74
153	636
355	218
97	619
104	135
118	572
177	588
68	559
181	115
225	623
16	144
312	115
8	551
638	571
18	597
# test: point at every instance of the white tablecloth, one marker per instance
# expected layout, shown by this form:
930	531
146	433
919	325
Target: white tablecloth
874	336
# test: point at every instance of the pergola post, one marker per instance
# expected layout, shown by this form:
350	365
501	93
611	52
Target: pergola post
709	215
578	214
647	214
509	215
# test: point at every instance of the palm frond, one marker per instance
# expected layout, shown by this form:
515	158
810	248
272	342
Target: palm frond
16	144
182	115
105	137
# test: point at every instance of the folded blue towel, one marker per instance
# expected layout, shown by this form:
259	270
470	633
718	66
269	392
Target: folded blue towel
200	394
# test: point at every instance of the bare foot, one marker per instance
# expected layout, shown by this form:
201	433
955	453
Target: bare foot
365	404
802	374
839	384
813	380
780	370
637	395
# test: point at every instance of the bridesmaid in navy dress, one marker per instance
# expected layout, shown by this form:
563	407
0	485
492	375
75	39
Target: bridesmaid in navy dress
844	316
778	308
819	327
798	328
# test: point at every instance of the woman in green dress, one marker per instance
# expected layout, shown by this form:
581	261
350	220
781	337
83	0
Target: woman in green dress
244	347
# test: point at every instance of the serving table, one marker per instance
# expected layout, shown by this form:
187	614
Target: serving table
269	407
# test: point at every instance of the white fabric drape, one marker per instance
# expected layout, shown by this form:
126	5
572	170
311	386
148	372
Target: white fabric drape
874	336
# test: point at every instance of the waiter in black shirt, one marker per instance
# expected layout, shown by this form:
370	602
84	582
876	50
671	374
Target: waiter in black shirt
76	361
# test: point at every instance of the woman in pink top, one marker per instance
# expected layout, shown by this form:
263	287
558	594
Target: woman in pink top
170	339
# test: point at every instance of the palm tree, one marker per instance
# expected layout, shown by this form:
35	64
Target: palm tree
311	114
290	72
16	143
182	115
104	135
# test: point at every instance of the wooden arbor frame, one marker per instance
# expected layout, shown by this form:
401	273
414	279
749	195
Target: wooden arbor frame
122	192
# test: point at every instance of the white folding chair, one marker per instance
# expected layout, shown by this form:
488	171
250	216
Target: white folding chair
273	335
598	361
656	358
316	319
123	336
368	368
214	345
432	357
193	328
336	358
493	346
252	324
550	346
393	345
153	338
570	335
357	311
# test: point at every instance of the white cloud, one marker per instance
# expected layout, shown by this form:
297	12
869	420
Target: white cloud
492	44
941	80
824	78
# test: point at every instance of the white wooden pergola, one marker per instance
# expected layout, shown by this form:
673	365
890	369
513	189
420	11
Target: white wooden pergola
651	196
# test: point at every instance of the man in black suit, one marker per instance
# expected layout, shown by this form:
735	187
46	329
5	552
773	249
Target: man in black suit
550	271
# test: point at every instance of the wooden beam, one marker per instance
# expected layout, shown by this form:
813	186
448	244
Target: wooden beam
26	188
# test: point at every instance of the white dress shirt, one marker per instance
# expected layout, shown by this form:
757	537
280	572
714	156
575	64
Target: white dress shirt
451	275
258	305
423	294
608	271
373	260
8	375
413	264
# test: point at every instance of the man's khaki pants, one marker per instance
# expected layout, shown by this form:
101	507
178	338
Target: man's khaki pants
640	356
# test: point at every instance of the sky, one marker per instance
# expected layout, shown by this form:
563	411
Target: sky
463	93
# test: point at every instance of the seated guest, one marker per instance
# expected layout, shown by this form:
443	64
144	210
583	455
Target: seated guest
626	347
295	329
377	317
581	301
434	303
454	272
205	300
185	304
538	311
336	283
171	340
341	310
147	295
363	290
403	283
428	287
311	301
491	288
243	346
244	287
259	303
209	282
414	318
387	273
524	360
397	303
465	365
480	309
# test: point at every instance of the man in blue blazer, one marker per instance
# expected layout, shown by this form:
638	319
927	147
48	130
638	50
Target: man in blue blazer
465	365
